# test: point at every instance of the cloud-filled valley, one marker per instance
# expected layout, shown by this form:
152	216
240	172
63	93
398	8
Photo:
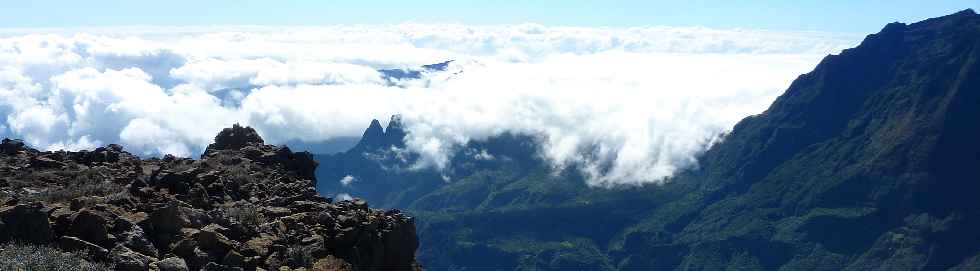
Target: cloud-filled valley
630	105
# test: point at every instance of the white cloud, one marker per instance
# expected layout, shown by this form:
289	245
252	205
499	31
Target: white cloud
630	105
347	180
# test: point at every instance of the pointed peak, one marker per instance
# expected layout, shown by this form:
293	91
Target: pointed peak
395	133
377	138
373	136
374	131
395	124
375	124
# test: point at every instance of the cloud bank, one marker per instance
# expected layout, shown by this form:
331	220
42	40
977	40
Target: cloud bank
627	105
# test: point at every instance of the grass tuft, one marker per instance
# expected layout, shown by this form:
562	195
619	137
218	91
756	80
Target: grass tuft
247	214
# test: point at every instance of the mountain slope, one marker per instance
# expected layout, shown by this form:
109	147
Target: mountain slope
866	162
869	162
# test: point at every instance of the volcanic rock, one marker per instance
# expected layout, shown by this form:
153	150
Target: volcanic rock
243	205
235	138
25	222
170	264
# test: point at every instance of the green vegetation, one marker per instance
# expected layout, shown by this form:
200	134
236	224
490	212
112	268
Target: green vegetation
88	182
20	257
245	213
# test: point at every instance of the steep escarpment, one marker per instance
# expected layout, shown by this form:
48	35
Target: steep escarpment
243	205
868	162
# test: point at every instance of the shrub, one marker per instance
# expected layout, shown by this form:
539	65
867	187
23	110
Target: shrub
22	257
89	182
298	255
245	213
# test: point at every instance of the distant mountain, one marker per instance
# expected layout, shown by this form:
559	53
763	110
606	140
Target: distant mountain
394	76
377	166
869	162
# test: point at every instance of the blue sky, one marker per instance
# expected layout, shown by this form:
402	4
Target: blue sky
832	15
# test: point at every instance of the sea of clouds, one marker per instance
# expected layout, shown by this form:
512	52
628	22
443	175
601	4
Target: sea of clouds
628	105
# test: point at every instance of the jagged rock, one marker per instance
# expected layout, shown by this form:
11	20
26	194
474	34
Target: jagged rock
26	223
170	264
197	259
233	259
325	218
199	197
175	182
168	219
187	249
60	220
196	217
126	259
136	186
210	239
133	237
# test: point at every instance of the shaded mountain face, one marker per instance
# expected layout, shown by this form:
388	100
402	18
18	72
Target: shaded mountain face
243	205
393	76
869	162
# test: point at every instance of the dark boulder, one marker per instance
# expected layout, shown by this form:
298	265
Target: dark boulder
25	223
170	264
11	146
168	219
90	226
126	259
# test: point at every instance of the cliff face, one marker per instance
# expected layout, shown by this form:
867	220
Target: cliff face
869	162
243	206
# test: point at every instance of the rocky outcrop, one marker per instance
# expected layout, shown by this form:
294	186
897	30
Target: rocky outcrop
235	138
243	205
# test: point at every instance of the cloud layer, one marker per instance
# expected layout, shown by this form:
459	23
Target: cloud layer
629	105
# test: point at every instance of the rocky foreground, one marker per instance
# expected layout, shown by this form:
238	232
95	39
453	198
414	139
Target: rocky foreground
243	206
